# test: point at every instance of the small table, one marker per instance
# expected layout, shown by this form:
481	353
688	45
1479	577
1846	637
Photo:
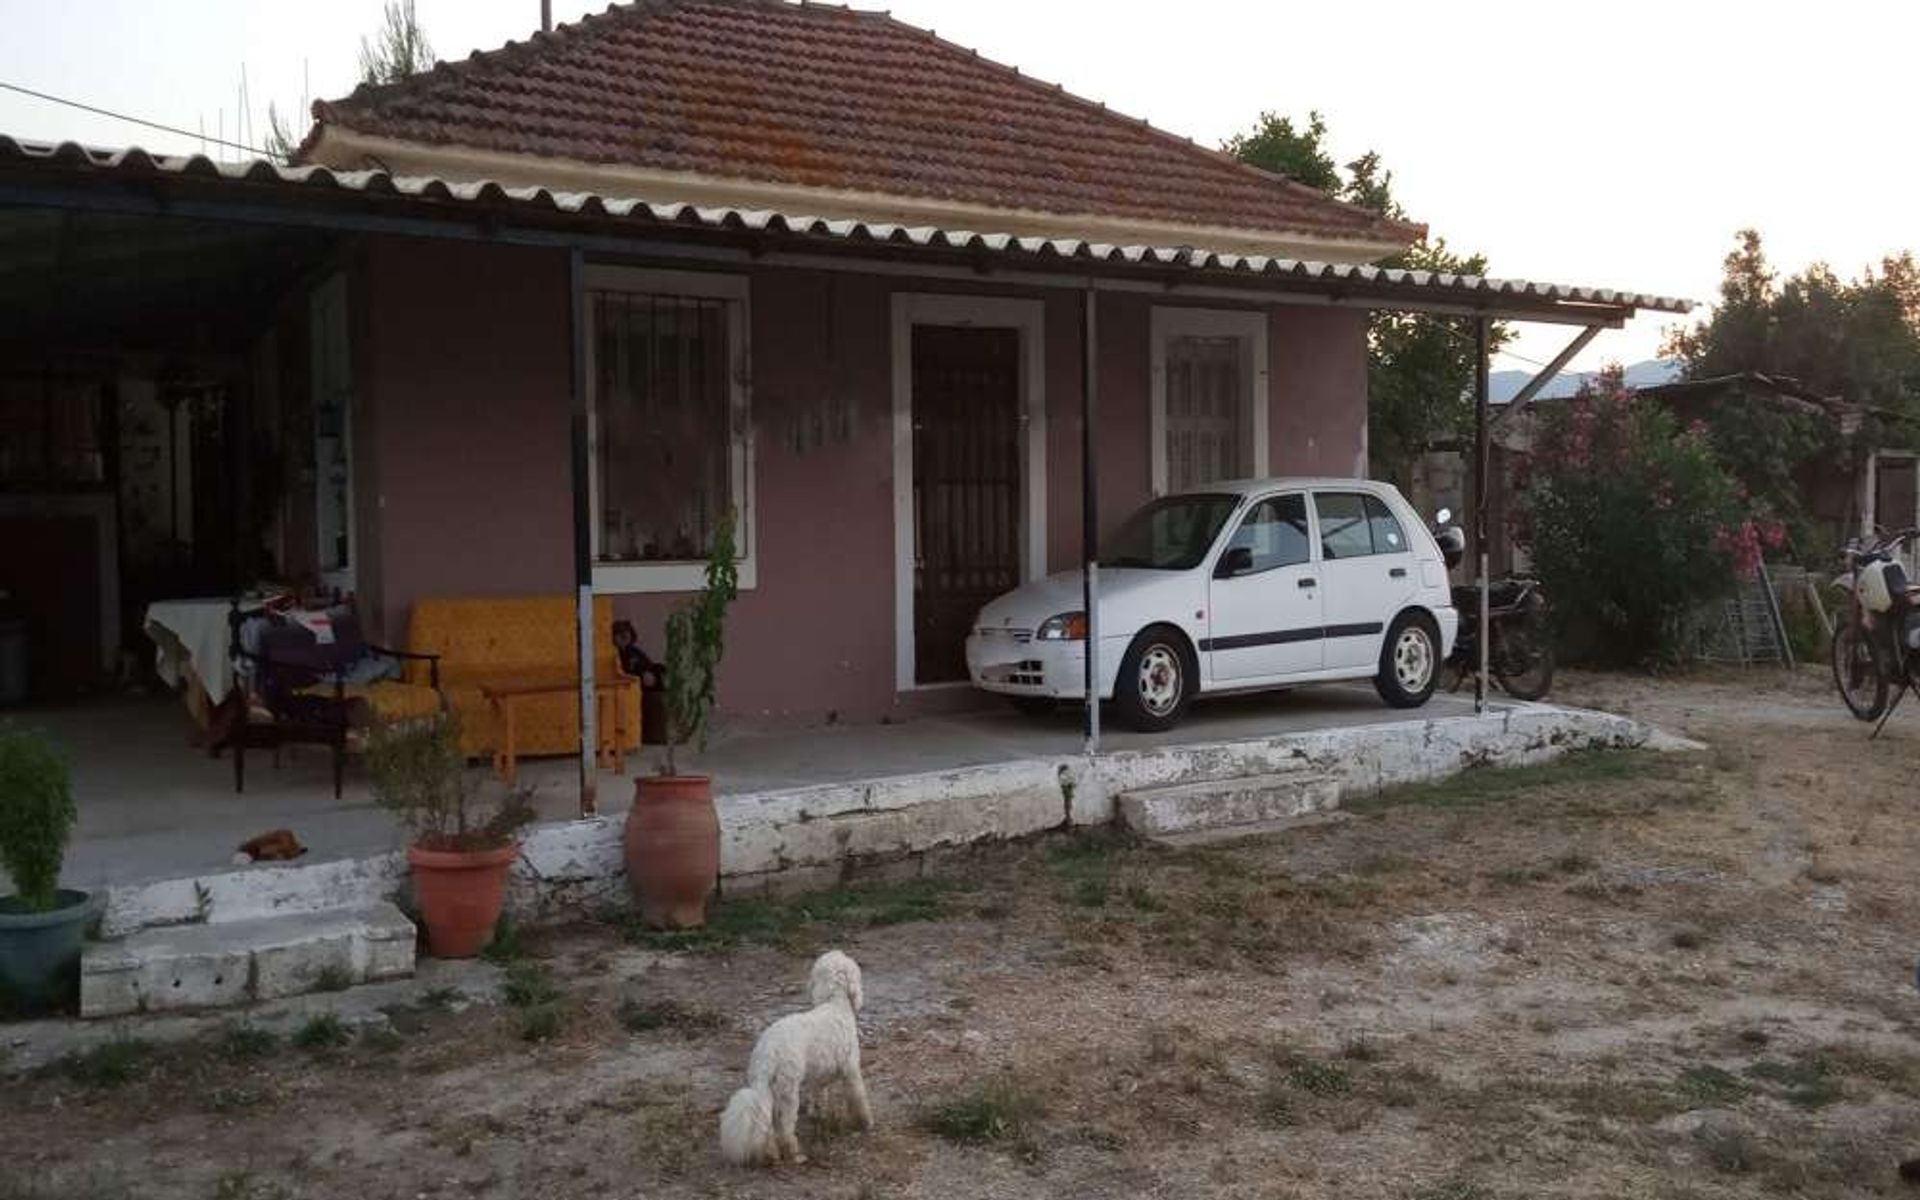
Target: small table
191	641
609	718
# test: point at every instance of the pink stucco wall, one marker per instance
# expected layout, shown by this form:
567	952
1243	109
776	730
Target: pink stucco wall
465	450
814	638
1317	365
463	459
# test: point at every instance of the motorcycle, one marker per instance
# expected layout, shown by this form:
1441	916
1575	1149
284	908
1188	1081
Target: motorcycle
1876	636
1519	650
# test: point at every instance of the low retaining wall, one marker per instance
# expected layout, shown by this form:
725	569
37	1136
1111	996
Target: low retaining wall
803	838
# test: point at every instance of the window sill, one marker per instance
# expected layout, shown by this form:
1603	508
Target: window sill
638	578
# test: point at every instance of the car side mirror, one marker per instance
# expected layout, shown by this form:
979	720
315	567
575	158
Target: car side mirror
1238	560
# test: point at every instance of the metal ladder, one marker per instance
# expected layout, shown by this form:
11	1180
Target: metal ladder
1750	629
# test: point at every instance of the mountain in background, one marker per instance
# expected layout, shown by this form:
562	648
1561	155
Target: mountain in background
1503	386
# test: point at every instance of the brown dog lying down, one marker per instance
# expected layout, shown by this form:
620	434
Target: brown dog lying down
275	845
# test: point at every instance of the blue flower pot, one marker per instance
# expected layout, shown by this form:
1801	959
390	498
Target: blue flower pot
40	951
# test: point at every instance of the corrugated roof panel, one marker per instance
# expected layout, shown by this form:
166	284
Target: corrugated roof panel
627	210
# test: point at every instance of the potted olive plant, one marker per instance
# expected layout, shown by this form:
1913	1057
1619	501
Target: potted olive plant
461	849
673	833
42	925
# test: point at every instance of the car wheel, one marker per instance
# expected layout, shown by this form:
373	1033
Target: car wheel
1156	681
1034	706
1409	661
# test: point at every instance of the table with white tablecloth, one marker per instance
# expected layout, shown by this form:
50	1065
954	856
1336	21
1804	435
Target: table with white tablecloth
192	643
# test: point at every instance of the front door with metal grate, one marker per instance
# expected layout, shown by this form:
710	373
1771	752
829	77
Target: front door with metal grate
966	486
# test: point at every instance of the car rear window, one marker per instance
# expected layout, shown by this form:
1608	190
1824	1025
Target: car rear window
1354	525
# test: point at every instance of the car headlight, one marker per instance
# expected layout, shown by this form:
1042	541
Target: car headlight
1067	627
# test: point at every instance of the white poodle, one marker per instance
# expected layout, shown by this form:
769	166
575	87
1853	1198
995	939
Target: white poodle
815	1047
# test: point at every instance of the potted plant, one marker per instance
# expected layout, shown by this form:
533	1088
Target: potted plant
672	833
42	925
461	852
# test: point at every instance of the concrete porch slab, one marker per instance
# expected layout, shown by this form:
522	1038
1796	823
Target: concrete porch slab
813	834
152	808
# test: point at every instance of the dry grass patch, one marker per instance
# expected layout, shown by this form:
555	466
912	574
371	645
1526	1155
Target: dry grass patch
1003	1113
670	1016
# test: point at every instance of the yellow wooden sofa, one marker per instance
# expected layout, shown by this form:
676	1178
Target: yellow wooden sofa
506	639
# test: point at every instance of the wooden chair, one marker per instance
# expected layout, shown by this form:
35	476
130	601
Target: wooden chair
295	688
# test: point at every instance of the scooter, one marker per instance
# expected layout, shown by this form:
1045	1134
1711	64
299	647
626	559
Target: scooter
1519	650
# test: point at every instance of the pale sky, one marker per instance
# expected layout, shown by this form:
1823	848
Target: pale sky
1617	144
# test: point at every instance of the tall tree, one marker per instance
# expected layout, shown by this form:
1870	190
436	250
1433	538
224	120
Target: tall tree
1273	144
398	49
1858	339
1420	366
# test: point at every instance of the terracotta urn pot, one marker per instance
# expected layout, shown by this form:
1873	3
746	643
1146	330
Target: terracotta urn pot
673	849
460	894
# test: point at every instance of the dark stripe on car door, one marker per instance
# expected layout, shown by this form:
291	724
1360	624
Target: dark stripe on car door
1364	629
1276	637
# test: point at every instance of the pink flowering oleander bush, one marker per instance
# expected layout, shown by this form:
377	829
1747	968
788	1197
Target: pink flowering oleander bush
1633	523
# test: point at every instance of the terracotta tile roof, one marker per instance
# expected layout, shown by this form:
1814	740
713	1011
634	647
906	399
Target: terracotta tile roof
826	97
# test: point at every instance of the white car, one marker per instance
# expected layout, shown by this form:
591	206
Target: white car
1240	586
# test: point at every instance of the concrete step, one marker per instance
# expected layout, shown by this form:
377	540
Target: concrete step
234	962
1230	833
1222	803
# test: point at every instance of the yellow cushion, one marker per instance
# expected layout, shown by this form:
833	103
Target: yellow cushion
486	640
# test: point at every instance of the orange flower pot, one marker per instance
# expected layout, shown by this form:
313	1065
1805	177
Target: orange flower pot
672	849
460	894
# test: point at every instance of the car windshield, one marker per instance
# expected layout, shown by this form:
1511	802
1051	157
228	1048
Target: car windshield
1170	534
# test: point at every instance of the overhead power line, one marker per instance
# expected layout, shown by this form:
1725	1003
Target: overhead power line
120	116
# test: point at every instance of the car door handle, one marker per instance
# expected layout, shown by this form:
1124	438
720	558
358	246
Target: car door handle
1307	581
1397	573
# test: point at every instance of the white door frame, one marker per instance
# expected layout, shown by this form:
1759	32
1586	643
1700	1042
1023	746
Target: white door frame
1247	324
1870	498
991	312
329	332
1870	514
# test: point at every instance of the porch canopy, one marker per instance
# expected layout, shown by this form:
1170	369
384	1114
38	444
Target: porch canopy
71	177
44	185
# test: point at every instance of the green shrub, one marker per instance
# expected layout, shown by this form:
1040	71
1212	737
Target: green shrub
507	945
1002	1112
529	984
1809	638
1634	524
109	1064
322	1031
696	639
542	1022
36	816
242	1042
419	773
1321	1078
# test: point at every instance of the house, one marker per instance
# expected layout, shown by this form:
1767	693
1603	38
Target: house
533	321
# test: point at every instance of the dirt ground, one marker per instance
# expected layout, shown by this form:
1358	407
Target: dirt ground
1682	975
